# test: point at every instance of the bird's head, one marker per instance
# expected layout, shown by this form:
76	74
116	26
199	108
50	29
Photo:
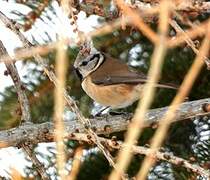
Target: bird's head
86	65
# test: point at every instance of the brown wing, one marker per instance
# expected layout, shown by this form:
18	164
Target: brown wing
112	71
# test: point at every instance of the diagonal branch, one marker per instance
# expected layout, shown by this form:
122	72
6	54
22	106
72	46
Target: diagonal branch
70	102
189	41
136	126
39	166
22	98
32	51
184	90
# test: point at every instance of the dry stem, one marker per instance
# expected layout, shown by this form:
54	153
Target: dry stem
39	166
76	164
22	98
165	156
171	114
36	133
137	122
189	41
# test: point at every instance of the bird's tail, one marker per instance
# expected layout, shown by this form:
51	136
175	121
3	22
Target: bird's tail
167	86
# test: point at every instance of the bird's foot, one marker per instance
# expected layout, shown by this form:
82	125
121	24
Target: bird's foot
100	113
116	113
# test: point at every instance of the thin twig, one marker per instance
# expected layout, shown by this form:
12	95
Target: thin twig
178	29
22	98
165	156
23	54
191	33
171	113
38	165
137	21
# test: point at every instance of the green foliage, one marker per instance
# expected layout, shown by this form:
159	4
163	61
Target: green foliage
8	109
94	167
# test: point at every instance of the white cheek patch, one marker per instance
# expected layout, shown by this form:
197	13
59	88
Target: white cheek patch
99	62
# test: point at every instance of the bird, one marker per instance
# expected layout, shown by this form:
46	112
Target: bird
110	82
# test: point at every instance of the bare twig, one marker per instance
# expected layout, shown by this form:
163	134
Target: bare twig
165	156
191	33
34	51
137	122
38	165
178	29
22	98
137	21
171	114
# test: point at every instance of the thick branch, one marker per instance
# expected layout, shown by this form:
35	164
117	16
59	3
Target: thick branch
22	98
103	125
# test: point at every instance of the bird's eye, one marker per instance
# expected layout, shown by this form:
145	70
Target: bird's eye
84	63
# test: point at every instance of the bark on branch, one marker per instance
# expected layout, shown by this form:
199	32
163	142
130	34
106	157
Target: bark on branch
22	98
112	144
102	125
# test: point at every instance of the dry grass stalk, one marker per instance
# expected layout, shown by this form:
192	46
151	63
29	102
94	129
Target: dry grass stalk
171	114
76	163
137	21
137	122
189	41
60	70
15	174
